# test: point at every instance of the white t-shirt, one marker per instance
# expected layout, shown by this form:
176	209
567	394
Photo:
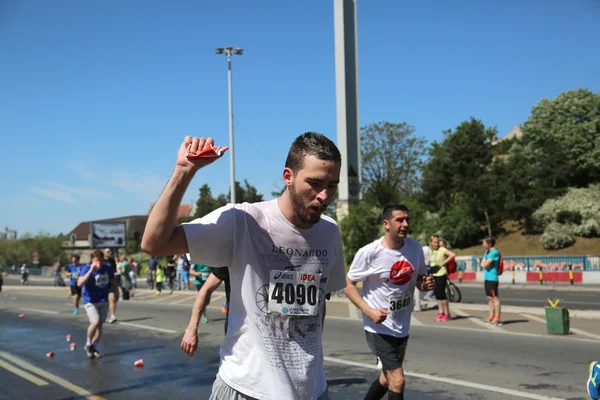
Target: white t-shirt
269	355
426	254
389	278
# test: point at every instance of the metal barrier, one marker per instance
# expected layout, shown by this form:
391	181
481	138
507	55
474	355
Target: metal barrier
535	263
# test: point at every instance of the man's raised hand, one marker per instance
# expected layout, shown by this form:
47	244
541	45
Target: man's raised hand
187	156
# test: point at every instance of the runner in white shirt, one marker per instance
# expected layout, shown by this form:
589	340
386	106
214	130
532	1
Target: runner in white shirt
389	269
283	256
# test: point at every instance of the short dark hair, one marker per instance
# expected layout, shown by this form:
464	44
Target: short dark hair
386	213
312	144
76	256
490	241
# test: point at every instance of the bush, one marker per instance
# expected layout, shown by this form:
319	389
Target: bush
576	213
557	236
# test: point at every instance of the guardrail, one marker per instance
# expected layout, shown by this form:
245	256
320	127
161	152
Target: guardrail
535	263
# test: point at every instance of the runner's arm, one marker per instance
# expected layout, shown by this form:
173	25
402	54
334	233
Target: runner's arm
211	284
83	279
352	293
193	272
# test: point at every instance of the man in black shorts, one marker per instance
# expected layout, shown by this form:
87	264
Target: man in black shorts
73	271
390	268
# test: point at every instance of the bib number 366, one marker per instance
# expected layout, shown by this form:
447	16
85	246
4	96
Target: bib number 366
294	293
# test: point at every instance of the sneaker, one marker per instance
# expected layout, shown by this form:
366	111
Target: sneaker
112	319
95	352
76	311
490	319
204	320
496	322
593	383
448	317
157	294
89	351
439	317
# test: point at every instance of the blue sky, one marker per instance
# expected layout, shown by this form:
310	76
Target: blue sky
97	95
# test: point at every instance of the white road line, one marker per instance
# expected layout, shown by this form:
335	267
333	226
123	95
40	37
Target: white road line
456	382
415	321
574	330
185	298
152	328
477	321
40	311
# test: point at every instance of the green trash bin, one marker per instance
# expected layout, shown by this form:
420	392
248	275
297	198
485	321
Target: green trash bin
557	320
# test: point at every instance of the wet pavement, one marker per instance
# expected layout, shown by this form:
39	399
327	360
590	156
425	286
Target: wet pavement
441	363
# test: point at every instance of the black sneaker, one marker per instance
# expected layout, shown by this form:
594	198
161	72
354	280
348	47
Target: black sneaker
95	352
89	351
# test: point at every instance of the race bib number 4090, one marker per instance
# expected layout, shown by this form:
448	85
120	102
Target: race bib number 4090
294	293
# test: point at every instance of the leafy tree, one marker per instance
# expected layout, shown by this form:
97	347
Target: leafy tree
243	194
460	182
206	203
392	157
559	148
21	251
360	227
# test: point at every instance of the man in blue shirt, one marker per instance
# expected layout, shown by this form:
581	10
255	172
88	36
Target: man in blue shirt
73	270
490	264
96	280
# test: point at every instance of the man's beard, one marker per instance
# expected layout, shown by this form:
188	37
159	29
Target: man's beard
301	210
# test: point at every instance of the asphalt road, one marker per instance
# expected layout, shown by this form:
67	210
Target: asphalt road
473	293
442	363
534	296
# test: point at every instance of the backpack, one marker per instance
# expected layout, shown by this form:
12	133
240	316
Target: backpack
451	266
500	265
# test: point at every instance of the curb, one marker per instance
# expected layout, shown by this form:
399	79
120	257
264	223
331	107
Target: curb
532	286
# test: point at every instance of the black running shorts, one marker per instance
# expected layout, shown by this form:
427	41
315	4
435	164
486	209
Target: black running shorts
75	290
491	288
440	287
390	350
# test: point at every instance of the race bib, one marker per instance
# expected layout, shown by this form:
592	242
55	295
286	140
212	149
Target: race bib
400	303
294	293
101	280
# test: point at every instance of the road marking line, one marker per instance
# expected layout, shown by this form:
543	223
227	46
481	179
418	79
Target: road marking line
477	321
574	330
452	381
23	374
52	378
415	321
179	301
152	328
40	311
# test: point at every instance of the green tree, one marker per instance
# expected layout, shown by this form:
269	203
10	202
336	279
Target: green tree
360	227
559	148
243	194
392	157
460	180
206	202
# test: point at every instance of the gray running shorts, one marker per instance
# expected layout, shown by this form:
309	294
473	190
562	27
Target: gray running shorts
221	391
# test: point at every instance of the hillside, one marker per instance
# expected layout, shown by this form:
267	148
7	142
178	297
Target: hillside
515	243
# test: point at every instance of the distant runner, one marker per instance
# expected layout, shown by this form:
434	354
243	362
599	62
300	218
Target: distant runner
73	270
96	279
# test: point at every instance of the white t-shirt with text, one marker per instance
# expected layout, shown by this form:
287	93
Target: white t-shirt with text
269	355
389	278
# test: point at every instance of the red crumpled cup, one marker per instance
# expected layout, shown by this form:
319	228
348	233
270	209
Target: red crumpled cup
209	151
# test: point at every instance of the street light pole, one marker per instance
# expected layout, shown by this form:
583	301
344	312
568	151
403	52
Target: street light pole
229	51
